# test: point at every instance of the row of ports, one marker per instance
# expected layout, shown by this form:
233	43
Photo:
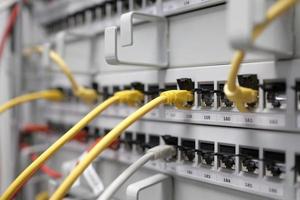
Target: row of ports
102	11
207	154
209	95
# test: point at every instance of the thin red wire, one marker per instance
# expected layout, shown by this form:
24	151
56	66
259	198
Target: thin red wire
9	27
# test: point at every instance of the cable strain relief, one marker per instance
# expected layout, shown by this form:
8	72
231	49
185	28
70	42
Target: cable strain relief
162	151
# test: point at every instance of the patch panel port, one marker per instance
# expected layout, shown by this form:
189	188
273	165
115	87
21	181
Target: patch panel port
206	95
128	141
223	101
297	168
170	86
274	164
140	143
138	86
186	84
249	81
153	92
274	94
171	140
116	89
154	141
226	157
105	92
297	90
188	149
249	160
127	87
207	153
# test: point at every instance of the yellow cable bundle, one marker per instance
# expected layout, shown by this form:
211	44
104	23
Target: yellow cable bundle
179	98
241	95
50	95
131	97
85	94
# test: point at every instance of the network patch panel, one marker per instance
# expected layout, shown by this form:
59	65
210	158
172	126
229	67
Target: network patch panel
221	153
82	13
272	111
259	166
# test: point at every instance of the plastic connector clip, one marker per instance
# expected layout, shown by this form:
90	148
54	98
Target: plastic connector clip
87	95
241	96
130	97
53	95
179	98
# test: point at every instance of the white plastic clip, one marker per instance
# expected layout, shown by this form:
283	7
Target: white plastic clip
244	15
133	191
126	37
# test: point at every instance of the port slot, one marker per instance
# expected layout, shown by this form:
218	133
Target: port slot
153	91
249	81
154	140
127	87
170	86
207	153
140	143
274	164
116	89
128	141
249	160
297	90
223	101
297	168
105	92
171	140
206	95
274	94
106	131
188	147
226	157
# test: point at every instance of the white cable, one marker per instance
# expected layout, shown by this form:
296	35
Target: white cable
155	153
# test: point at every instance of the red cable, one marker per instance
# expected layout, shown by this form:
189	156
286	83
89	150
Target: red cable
9	27
35	128
47	170
44	168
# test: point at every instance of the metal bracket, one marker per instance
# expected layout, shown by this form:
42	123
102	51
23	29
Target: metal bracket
126	37
244	15
166	181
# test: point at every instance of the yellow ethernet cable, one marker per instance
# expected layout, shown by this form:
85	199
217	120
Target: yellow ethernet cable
85	94
50	95
42	196
130	97
242	95
179	98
